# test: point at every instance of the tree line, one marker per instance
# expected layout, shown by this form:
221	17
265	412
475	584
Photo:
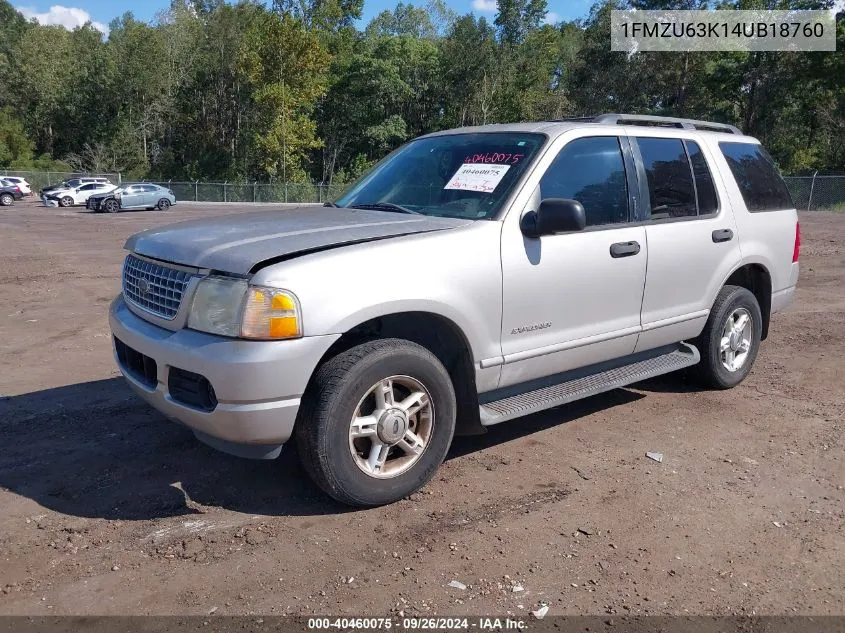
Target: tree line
297	91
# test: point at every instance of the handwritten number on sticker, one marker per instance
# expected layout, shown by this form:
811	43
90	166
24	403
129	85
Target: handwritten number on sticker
498	158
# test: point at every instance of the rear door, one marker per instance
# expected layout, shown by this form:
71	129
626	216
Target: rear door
151	196
691	232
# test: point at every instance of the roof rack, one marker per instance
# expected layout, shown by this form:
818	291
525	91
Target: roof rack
665	121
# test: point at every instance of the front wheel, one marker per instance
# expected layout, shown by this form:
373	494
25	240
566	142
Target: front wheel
163	204
730	340
67	201
7	199
377	422
111	206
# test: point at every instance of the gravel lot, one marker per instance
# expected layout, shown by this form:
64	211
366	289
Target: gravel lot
107	508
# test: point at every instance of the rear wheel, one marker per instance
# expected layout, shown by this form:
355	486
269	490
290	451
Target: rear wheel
7	199
730	340
111	206
377	422
67	201
163	204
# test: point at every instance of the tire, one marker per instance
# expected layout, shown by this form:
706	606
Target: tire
340	388
7	199
732	302
67	201
163	204
111	206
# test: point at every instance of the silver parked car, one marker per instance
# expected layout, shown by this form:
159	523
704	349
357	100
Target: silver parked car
474	276
145	196
136	196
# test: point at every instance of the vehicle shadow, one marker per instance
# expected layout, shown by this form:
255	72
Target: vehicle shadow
676	382
514	429
95	450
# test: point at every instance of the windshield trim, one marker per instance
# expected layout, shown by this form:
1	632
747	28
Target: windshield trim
507	201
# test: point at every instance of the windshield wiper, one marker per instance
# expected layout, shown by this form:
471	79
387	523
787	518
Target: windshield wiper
384	206
330	204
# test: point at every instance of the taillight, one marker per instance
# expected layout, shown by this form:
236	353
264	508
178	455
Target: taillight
796	251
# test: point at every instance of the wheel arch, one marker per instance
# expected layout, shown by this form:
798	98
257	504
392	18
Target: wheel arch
756	278
438	334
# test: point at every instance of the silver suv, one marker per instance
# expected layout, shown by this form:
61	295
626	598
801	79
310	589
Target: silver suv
473	276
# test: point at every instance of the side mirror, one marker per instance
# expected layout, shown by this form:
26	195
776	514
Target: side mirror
555	215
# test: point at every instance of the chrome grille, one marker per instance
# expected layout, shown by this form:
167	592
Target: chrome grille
156	288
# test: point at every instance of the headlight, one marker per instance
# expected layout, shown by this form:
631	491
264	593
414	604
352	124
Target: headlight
217	306
230	307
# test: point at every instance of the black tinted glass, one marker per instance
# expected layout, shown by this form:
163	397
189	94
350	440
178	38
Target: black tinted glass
704	188
669	177
455	175
757	176
590	170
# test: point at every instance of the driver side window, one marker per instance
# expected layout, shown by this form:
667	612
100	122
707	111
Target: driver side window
590	170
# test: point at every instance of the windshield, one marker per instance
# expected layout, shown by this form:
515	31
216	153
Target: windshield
459	176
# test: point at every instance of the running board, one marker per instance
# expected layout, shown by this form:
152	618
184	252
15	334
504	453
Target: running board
577	385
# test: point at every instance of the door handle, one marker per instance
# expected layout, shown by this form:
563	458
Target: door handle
723	235
624	249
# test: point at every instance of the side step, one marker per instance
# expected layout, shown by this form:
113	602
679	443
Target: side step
578	384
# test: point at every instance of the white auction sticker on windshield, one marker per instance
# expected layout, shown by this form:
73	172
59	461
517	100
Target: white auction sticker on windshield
477	177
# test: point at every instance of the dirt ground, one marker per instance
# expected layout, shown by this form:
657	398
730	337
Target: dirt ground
107	508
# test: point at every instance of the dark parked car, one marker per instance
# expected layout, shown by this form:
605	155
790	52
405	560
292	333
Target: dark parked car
139	196
9	193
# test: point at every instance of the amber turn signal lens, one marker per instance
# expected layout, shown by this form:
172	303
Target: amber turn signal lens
270	313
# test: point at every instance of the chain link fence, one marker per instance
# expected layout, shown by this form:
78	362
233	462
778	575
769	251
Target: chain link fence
817	192
202	191
252	192
810	193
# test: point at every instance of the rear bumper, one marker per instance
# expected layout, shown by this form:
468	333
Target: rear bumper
782	298
258	384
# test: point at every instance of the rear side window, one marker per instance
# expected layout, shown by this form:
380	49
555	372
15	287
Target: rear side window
590	170
704	189
667	168
759	182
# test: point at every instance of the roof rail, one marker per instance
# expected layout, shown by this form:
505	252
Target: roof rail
666	121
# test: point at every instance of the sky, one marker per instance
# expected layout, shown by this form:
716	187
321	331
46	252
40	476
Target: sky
101	12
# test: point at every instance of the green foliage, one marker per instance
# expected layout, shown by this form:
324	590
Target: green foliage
405	19
517	18
217	90
15	146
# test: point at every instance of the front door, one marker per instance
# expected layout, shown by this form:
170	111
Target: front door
132	196
574	299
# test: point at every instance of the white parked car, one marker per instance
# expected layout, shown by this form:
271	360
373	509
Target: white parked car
73	196
21	183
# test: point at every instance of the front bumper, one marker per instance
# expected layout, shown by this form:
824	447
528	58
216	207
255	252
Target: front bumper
258	384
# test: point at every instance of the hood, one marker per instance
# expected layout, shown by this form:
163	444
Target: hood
241	243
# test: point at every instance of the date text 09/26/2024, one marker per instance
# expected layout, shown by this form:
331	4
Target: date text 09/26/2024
418	623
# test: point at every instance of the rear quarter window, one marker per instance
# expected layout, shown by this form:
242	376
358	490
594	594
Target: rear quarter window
759	182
